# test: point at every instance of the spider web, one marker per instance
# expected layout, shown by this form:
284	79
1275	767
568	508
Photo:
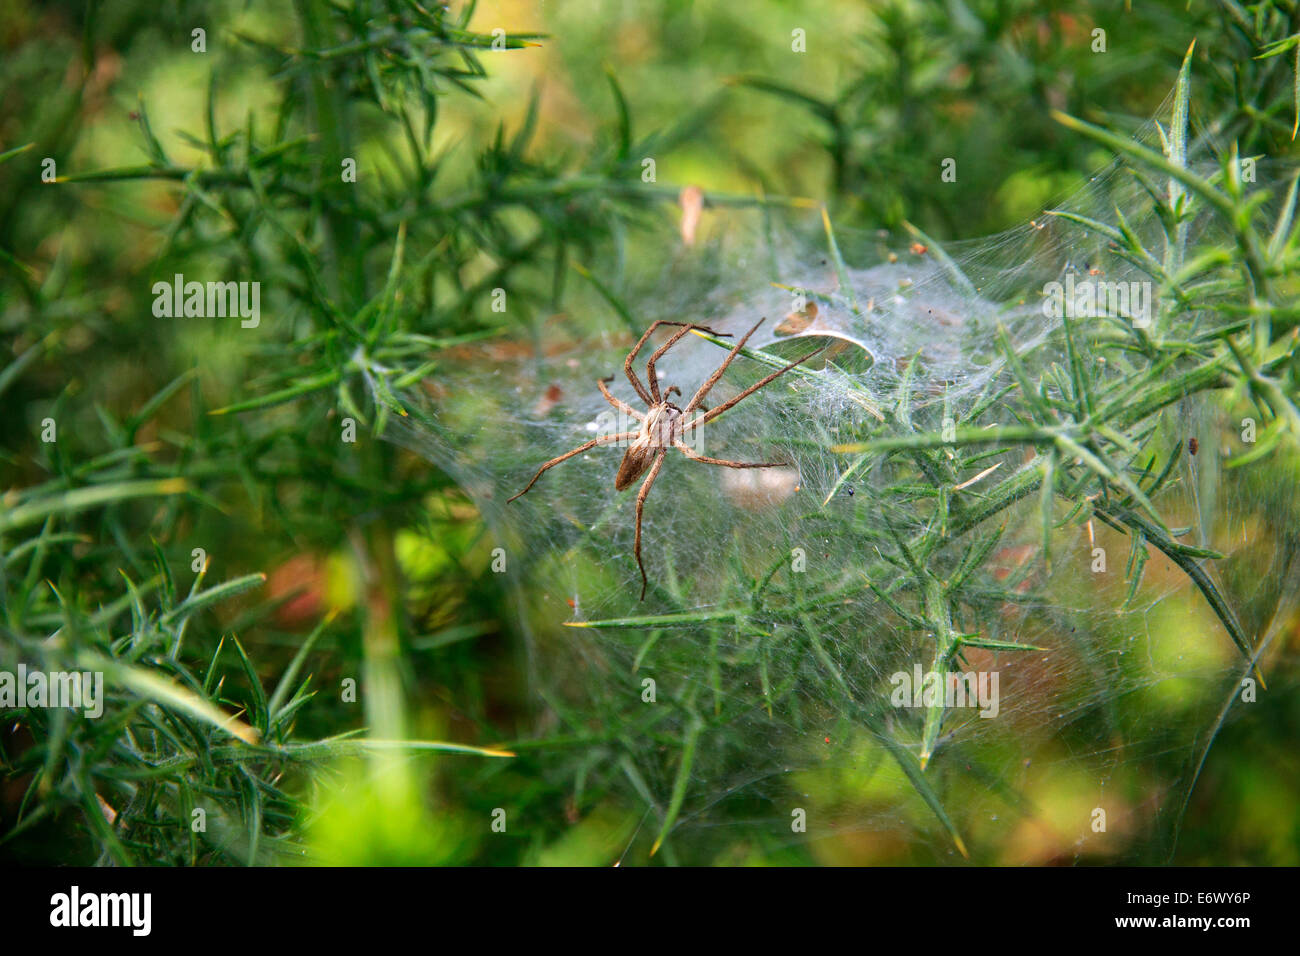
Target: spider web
773	654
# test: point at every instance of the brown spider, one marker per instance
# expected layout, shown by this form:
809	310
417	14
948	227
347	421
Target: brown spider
663	424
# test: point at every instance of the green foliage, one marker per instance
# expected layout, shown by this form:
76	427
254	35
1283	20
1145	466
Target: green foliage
175	436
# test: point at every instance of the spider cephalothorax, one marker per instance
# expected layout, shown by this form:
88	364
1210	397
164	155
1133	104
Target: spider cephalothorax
663	424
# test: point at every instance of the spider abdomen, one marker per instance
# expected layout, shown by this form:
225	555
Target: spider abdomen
659	430
636	460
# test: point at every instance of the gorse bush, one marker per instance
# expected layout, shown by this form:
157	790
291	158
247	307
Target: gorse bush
1061	458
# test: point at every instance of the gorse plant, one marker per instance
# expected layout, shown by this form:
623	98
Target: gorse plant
264	205
221	520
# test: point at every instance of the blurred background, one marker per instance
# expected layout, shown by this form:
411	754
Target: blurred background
216	155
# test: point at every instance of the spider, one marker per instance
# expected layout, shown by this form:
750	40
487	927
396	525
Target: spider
663	424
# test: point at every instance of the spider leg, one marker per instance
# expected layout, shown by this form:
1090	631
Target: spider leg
602	440
694	456
640	504
631	356
650	375
713	379
603	385
718	410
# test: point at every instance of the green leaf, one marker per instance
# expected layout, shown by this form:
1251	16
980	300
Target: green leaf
841	270
11	153
204	599
167	694
685	619
680	784
946	261
291	672
974	640
624	119
907	762
83	499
